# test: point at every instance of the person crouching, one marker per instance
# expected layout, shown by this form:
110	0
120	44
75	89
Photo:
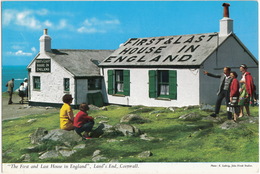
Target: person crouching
83	122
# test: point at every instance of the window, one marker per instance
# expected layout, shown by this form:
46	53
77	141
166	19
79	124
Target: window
94	83
66	84
119	82
36	83
163	84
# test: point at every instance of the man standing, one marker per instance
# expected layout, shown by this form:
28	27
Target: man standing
223	91
10	89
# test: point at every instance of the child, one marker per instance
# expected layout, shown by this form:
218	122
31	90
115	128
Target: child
83	122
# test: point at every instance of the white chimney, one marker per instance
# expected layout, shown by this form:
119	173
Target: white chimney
226	23
45	42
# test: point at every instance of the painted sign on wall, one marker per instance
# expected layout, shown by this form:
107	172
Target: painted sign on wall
164	50
43	65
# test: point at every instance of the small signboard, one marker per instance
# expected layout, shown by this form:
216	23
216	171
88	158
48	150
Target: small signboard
43	65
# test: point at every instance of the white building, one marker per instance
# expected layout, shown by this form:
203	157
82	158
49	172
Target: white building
55	72
168	71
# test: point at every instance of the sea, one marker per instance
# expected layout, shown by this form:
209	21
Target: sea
18	73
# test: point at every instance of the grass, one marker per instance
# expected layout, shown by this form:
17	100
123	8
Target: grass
175	140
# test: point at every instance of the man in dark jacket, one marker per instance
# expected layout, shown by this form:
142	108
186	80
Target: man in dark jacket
10	89
223	90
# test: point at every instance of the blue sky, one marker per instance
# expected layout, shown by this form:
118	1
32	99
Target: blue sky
107	24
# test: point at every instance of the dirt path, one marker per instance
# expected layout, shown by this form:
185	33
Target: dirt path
17	110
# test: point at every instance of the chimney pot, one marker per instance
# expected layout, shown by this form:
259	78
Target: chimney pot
45	31
226	10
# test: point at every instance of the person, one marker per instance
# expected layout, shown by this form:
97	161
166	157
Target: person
66	113
247	90
223	91
83	122
26	87
234	95
10	88
21	92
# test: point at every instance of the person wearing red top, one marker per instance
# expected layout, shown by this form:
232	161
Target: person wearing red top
247	90
234	95
83	122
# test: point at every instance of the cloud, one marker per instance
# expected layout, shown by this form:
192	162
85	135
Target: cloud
19	53
33	49
31	19
95	25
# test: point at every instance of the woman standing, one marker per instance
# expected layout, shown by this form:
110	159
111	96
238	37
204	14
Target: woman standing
234	95
246	91
21	93
66	113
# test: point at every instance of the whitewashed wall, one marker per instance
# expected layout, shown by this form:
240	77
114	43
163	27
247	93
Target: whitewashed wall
231	54
188	89
52	89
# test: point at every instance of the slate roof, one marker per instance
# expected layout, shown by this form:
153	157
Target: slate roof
180	50
81	63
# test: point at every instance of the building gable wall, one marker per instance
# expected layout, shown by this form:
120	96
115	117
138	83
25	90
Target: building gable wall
52	88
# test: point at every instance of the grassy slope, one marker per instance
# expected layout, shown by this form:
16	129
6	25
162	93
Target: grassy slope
175	140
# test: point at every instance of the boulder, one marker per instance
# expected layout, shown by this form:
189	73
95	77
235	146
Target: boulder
59	135
127	130
133	118
38	135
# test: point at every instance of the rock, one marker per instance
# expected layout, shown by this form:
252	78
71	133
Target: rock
133	118
97	156
101	117
96	153
49	154
25	158
145	137
57	148
250	120
59	135
213	119
207	107
93	107
127	130
145	154
101	129
31	120
229	124
67	153
103	108
190	116
171	109
31	149
112	140
79	146
38	135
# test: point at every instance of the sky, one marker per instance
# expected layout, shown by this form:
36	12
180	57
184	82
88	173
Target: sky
107	24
